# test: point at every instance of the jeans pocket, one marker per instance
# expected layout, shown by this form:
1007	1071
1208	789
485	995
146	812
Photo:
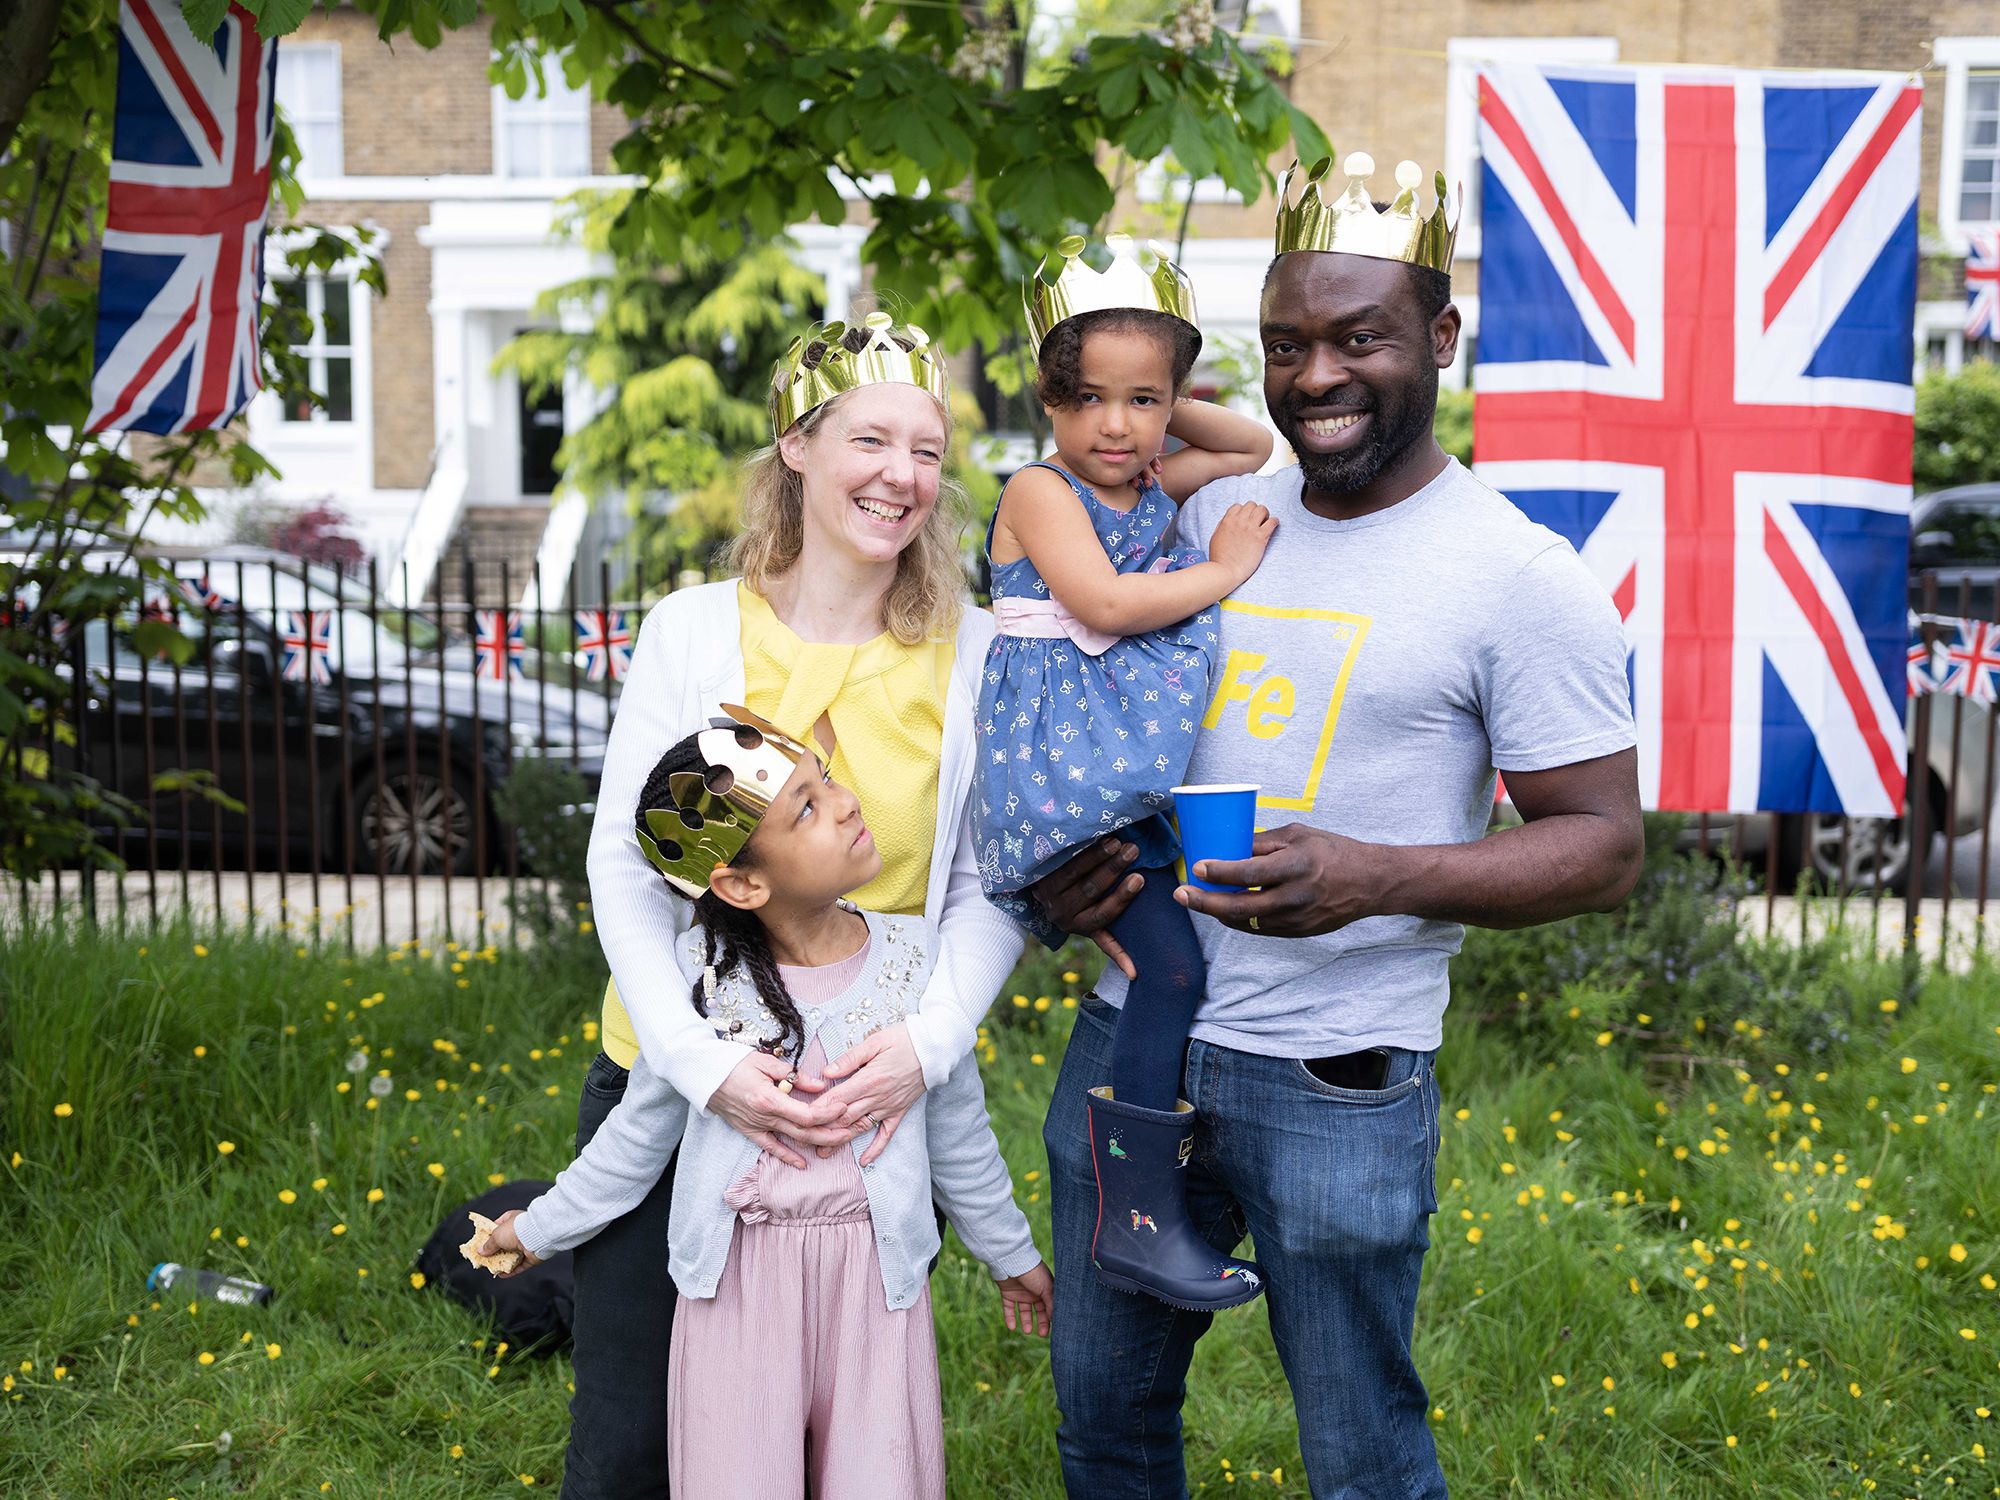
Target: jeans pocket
1099	1010
606	1080
1395	1092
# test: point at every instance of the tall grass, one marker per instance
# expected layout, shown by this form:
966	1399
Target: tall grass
1628	1273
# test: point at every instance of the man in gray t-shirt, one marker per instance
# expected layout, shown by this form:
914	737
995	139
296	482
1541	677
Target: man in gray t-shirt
1408	633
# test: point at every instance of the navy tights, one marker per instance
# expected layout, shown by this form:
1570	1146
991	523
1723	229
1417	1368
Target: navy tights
1151	1039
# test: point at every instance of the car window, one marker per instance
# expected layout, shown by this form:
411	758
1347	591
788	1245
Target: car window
1974	532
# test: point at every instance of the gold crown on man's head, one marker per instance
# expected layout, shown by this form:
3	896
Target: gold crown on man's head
1141	278
712	814
1317	219
796	390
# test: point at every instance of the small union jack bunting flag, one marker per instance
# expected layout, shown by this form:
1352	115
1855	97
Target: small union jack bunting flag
1924	668
308	641
497	643
202	594
1970	660
604	640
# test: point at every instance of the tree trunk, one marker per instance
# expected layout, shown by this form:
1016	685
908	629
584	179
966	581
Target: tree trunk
27	33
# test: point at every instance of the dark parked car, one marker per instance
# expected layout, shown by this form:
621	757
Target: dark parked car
1955	534
388	754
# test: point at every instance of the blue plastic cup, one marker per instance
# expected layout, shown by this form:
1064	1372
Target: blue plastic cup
1217	822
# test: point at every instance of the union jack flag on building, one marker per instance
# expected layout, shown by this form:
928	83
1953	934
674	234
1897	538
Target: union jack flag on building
183	268
308	642
497	643
1982	285
1697	291
604	640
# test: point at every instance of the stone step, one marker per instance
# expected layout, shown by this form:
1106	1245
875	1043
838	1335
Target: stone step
490	535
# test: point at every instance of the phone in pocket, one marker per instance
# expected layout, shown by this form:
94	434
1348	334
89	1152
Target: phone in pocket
1367	1069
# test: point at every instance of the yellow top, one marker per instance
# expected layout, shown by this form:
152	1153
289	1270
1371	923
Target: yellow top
886	703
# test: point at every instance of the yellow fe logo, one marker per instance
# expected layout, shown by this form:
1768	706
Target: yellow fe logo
1317	649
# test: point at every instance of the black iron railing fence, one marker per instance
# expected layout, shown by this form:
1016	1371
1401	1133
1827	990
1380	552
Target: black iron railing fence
359	752
323	735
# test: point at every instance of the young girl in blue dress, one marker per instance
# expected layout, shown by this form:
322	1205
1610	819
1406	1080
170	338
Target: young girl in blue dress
1092	691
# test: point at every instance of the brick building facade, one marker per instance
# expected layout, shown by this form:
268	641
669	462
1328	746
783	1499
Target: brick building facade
461	186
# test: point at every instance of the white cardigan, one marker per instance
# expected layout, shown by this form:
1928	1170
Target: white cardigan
687	663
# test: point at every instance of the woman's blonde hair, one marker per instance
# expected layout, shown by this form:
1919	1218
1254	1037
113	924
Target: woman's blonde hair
926	599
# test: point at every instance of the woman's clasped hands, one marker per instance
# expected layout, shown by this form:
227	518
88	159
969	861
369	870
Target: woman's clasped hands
866	1088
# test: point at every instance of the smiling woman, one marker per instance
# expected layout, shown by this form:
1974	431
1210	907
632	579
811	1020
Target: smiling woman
847	630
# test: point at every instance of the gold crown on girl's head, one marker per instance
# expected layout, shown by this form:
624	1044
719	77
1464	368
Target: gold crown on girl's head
1316	218
711	815
796	390
1141	278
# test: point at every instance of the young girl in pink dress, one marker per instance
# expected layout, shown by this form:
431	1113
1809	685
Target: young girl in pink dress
803	1350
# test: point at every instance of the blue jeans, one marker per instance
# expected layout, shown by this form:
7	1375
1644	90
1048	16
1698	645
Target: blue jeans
1337	1187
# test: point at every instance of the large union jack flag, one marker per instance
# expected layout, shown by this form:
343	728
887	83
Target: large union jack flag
183	268
1982	285
604	640
1697	291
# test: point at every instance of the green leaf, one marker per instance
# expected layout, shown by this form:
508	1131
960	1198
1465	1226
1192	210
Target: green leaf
157	638
1191	145
1118	94
276	18
204	17
1311	140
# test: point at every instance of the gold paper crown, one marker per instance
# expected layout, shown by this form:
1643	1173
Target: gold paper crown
714	813
1350	223
1141	278
795	390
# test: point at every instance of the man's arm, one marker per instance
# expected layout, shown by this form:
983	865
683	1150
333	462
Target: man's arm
1579	850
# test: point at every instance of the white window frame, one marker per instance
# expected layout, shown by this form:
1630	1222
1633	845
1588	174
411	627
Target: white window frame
1959	56
324	457
317	350
540	106
313	165
1463	57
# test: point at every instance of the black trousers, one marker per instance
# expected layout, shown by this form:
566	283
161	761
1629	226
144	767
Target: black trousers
622	1324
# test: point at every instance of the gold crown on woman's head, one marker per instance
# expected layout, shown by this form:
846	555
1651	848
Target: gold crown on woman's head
881	360
1141	278
1316	219
712	814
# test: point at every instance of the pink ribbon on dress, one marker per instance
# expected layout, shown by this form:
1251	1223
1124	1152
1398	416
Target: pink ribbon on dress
1048	619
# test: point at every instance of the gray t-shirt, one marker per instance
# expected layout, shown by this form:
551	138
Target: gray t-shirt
1373	674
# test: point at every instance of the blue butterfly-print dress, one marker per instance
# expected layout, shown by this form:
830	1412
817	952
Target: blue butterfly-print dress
1082	734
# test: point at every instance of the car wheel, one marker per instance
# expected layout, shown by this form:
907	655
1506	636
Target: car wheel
1856	855
407	824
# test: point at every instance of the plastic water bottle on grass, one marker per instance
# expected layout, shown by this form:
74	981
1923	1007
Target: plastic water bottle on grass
169	1276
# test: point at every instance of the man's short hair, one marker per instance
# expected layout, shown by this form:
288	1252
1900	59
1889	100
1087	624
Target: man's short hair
1431	289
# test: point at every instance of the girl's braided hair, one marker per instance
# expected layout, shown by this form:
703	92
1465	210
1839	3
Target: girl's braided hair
735	938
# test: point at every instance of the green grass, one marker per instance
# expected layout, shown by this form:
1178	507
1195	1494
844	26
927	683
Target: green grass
1577	1258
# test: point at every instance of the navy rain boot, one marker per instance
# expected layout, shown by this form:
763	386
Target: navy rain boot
1144	1241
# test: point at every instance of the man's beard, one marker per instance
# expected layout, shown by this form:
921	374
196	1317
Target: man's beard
1395	428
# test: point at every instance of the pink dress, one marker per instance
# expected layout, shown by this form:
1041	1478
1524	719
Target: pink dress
796	1370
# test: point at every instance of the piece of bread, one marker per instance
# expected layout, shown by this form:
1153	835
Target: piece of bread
499	1265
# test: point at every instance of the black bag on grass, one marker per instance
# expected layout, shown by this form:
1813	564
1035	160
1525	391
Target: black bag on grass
531	1310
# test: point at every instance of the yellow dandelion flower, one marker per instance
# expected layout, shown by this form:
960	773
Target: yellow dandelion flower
227	1148
1957	1252
201	950
1968	1333
458	1450
1670	1359
1909	1065
436	1169
63	1110
375	1195
1604	1039
61	1372
495	1178
319	1184
1730	1441
272	1351
1037	1059
340	1229
201	1052
204	1358
417	1280
1474	1235
1558	1381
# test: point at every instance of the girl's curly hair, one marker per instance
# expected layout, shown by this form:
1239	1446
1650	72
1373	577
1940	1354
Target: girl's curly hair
1060	381
735	938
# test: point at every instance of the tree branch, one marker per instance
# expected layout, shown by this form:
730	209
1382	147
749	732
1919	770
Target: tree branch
610	10
27	38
